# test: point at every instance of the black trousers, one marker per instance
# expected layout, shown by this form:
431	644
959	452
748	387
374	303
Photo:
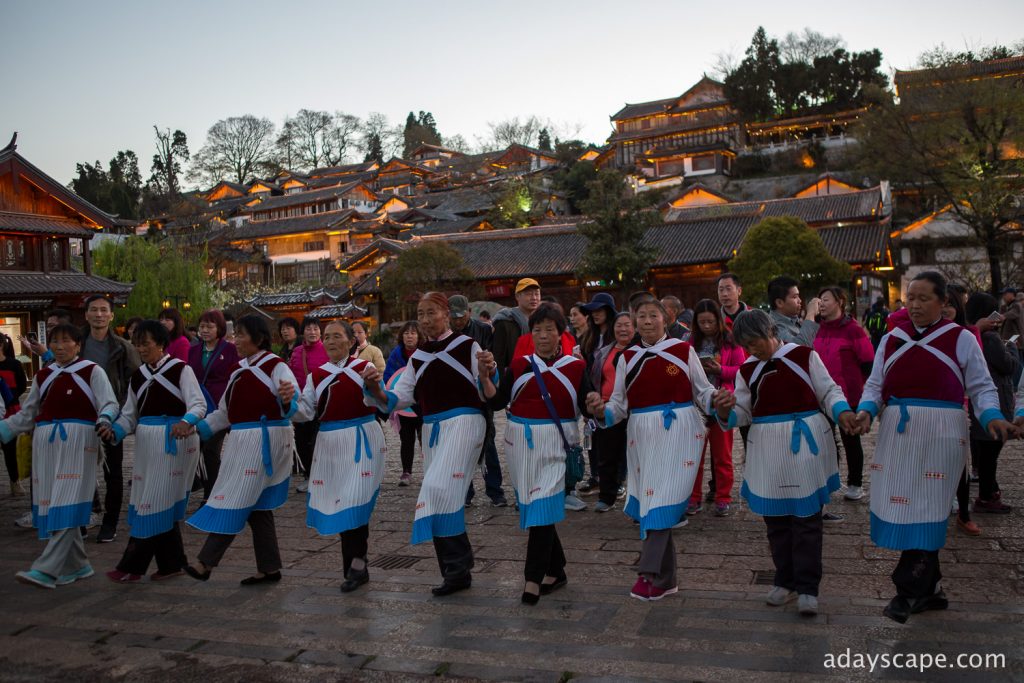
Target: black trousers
410	430
544	554
11	459
963	497
211	461
264	543
917	573
454	557
610	445
796	550
113	475
305	442
854	454
167	548
986	456
354	545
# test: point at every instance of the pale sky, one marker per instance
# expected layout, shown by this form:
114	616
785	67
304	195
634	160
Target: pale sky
82	80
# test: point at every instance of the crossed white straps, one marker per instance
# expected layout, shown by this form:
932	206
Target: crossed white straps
72	370
257	370
334	372
659	349
924	343
552	370
159	378
446	358
780	355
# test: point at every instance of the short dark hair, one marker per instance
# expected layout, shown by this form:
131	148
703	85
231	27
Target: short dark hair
934	277
288	322
549	298
257	329
66	330
97	297
362	324
548	311
175	317
134	320
153	329
415	327
310	322
729	276
838	293
62	315
217	318
484	315
980	305
778	288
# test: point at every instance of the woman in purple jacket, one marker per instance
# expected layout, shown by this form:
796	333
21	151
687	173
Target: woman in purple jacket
306	357
846	350
212	360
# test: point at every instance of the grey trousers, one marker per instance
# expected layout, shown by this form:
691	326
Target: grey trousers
658	559
264	544
64	554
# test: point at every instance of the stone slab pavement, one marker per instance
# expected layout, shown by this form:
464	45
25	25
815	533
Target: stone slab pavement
717	628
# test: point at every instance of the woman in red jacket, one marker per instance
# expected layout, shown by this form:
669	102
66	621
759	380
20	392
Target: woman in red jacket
721	359
846	350
306	357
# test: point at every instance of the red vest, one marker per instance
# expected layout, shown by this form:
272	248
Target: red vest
778	389
918	373
249	399
64	399
343	398
656	381
527	401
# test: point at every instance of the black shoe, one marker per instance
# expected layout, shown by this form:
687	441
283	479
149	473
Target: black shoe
84	531
898	609
548	588
530	598
107	534
499	502
449	587
355	581
937	601
196	574
272	577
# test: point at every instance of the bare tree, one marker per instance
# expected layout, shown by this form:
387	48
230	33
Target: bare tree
457	143
724	64
237	148
514	131
377	127
802	48
341	138
171	154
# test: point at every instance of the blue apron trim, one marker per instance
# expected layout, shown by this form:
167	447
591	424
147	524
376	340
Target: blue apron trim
61	517
435	421
170	443
342	520
800	429
541	511
528	430
264	424
57	427
232	520
361	437
440	525
668	413
664	517
911	536
797	507
155	523
920	402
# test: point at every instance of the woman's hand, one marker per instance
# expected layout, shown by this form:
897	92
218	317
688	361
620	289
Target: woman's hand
1003	430
285	392
723	401
863	423
371	380
711	366
485	366
848	422
594	404
182	430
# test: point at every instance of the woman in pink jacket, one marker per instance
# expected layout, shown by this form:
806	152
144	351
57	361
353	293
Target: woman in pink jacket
721	359
846	350
305	358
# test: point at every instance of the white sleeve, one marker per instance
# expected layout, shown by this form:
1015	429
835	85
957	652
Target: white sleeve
23	420
616	409
217	421
106	400
829	394
192	393
742	409
703	390
398	397
871	397
283	373
977	380
474	370
307	402
128	420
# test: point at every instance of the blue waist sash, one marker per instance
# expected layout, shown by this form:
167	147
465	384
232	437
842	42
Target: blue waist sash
527	421
667	410
436	419
902	403
170	443
263	425
58	427
361	437
800	428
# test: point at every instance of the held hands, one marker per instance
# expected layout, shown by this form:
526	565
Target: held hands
723	401
594	404
1003	430
863	423
849	423
105	431
285	392
486	366
182	430
371	380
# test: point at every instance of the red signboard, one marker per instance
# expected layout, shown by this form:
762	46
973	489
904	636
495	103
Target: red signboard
499	290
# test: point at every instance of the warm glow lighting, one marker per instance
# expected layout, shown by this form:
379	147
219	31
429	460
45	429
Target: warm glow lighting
885	268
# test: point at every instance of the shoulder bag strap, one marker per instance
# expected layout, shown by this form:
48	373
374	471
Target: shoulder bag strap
547	401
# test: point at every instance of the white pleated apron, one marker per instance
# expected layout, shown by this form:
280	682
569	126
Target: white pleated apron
791	467
344	480
162	475
663	450
536	466
450	455
64	457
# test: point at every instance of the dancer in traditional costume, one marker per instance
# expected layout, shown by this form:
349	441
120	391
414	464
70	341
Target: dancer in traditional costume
442	378
258	404
922	369
784	392
348	460
69	400
659	385
164	403
539	389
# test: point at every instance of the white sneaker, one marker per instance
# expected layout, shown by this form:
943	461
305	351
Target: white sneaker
95	519
779	596
683	522
853	493
807	604
25	521
303	486
956	507
573	503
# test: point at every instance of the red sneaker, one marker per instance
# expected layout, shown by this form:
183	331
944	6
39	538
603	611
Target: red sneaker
122	577
995	505
643	589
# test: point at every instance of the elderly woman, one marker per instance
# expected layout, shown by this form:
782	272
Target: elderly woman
442	379
922	369
348	462
164	402
254	473
545	393
659	384
782	390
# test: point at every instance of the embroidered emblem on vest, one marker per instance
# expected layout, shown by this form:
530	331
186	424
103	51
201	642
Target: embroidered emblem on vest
672	370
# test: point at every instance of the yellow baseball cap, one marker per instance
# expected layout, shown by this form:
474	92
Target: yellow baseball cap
526	283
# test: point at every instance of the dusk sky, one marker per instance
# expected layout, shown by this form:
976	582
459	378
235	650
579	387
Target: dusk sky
82	80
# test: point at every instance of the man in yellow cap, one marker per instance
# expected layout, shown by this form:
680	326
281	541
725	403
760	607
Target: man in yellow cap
512	323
